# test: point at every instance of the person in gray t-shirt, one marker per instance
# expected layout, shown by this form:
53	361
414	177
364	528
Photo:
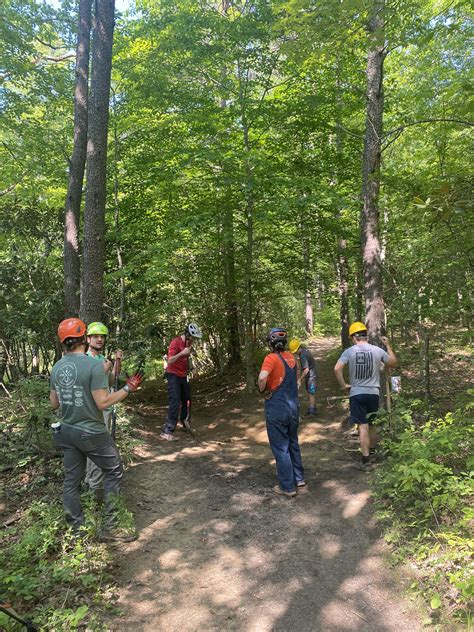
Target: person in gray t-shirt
364	361
79	390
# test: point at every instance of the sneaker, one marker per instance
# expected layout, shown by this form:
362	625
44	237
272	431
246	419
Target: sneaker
300	484
278	490
167	436
118	534
364	467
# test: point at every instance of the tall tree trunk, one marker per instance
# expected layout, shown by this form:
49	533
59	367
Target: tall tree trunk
249	334
342	263
92	289
232	311
343	280
308	299
373	289
118	249
72	265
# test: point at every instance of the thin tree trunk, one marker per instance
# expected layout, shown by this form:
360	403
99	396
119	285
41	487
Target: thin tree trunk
72	266
118	249
343	279
92	289
249	338
342	263
232	311
371	251
308	300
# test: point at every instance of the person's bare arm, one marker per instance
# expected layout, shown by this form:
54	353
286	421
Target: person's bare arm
104	399
304	373
338	372
262	380
393	360
53	398
185	352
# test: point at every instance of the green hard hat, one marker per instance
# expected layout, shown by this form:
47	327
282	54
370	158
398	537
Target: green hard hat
97	329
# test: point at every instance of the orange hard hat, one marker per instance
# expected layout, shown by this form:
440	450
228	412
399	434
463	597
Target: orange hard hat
71	328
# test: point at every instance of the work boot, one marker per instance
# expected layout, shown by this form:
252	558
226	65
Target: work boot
118	534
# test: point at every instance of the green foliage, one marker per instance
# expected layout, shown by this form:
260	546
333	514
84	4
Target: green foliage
426	488
46	571
327	321
25	419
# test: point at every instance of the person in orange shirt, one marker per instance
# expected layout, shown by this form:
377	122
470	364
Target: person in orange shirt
278	378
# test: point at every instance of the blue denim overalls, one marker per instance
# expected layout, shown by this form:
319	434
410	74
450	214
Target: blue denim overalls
282	416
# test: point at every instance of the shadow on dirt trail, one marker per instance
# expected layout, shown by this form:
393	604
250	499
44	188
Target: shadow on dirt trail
218	550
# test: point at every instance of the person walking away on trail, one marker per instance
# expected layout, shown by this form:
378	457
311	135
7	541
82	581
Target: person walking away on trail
364	361
96	340
79	388
177	376
308	373
278	377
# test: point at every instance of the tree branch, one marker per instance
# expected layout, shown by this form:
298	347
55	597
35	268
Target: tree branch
430	120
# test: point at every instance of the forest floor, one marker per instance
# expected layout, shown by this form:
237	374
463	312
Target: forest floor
219	551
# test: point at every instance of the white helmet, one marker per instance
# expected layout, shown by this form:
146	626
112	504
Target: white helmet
193	330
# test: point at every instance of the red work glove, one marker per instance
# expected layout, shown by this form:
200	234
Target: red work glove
135	380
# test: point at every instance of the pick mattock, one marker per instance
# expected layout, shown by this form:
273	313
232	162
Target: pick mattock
113	423
6	607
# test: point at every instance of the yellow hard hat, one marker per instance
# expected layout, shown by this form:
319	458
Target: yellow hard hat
294	345
355	328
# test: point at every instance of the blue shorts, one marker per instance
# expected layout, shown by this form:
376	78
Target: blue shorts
363	407
311	385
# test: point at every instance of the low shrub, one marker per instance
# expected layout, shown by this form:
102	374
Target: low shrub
425	491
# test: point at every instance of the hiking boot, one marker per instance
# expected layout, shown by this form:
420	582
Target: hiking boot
167	436
278	490
310	413
364	467
373	456
118	534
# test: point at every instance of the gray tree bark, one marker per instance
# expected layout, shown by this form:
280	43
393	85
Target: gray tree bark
72	264
343	280
232	310
92	289
370	240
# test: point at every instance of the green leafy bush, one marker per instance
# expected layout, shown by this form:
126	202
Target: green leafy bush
425	491
49	574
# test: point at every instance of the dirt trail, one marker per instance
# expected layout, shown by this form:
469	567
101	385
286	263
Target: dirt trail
219	551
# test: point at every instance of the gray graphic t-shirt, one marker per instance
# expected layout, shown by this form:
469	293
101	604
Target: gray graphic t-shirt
364	367
307	362
73	378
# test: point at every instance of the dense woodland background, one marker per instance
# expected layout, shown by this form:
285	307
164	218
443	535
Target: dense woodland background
237	168
241	165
